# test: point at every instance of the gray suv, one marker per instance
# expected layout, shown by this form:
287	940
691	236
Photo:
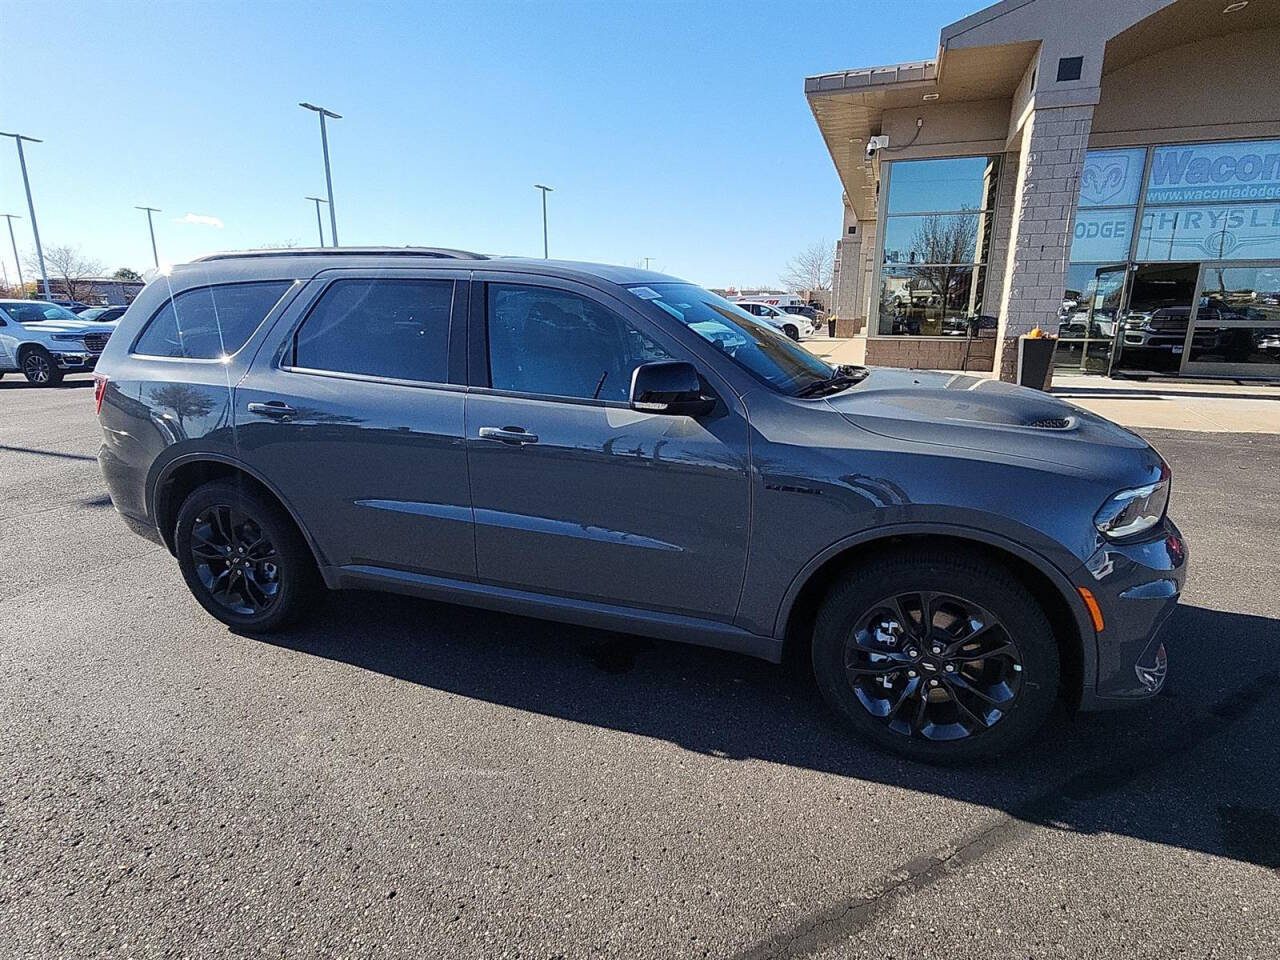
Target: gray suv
620	449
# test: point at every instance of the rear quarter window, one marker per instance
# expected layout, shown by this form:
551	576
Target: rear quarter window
209	322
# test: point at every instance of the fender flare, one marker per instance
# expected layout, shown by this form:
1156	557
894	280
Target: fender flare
1055	575
164	472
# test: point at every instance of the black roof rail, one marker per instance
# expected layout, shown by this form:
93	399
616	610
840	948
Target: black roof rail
442	253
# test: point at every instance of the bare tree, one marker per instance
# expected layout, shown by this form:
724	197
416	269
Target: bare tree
67	264
810	270
944	246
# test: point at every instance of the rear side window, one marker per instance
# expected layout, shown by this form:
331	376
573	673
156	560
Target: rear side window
209	322
398	329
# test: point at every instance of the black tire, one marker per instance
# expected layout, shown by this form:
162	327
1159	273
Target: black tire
862	669
244	584
791	331
39	369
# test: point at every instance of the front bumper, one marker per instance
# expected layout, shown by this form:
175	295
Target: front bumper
1136	586
77	361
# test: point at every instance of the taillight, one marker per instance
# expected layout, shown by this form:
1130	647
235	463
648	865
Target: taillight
99	390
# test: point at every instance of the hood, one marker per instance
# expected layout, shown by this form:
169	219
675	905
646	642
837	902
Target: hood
70	326
991	416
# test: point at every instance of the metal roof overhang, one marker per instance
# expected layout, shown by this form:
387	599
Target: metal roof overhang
849	105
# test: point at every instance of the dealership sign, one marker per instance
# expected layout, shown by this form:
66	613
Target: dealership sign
1112	178
1246	232
1208	172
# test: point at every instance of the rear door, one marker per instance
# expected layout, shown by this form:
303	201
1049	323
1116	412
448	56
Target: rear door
576	494
354	409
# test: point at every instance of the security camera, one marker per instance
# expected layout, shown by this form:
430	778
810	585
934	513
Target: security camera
875	144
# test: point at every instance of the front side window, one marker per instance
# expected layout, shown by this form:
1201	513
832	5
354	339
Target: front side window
762	350
559	344
209	322
396	329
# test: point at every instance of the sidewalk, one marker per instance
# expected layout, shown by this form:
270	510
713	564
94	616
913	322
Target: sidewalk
1225	406
1216	407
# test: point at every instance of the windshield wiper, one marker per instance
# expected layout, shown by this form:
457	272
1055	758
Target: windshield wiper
846	375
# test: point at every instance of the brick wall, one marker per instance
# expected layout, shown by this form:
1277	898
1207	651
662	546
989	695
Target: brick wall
1042	212
930	353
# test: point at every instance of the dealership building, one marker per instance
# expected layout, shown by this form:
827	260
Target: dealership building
1105	170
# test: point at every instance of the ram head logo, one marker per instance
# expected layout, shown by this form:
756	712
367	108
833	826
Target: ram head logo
1103	179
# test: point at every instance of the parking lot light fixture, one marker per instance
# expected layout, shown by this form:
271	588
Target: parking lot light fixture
31	207
16	262
151	227
328	177
545	190
319	222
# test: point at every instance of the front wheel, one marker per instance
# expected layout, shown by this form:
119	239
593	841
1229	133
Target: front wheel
792	331
939	656
243	558
39	369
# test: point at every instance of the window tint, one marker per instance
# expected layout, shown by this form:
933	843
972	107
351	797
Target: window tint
560	344
209	322
381	328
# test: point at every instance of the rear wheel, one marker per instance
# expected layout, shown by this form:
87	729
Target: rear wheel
243	558
937	656
39	369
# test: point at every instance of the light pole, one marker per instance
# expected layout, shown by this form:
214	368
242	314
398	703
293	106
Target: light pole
16	262
31	207
545	190
319	222
150	210
328	179
646	262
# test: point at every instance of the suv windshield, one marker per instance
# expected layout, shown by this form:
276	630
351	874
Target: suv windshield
759	348
35	312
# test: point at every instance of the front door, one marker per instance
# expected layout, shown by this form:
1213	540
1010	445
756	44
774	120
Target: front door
577	495
1151	335
348	409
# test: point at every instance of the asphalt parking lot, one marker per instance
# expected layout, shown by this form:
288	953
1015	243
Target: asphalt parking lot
406	779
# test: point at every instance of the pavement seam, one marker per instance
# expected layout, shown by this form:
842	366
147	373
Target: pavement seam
853	914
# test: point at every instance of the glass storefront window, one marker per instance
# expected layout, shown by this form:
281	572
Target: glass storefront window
1238	320
937	231
952	183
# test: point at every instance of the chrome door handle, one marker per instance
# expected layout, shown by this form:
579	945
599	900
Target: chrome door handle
274	409
516	436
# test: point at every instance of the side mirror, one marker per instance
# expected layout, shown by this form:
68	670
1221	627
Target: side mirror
671	387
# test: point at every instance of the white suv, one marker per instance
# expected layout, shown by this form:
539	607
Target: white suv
794	325
46	341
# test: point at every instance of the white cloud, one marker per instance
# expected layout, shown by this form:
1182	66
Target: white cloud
201	219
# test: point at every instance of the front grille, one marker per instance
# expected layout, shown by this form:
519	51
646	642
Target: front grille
1051	423
96	342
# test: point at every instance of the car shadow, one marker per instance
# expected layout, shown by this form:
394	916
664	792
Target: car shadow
1081	774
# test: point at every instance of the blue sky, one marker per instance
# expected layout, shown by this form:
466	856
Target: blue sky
676	131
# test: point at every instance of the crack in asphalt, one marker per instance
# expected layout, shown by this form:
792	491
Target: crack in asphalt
846	917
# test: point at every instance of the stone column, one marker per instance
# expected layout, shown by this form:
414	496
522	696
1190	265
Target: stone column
1054	140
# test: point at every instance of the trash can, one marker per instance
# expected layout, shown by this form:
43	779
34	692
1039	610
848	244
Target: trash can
1035	361
831	325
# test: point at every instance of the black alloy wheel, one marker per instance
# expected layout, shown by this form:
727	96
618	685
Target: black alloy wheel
235	560
243	557
933	665
938	654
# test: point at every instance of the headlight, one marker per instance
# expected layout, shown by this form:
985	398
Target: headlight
67	337
1132	511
